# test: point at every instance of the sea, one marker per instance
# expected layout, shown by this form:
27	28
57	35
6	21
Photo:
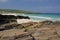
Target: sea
44	16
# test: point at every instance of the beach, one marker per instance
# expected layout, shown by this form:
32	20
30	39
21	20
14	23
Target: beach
29	19
26	28
20	21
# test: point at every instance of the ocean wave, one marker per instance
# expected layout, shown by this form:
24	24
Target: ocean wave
42	17
37	16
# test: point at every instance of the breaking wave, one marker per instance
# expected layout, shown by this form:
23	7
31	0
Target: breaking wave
42	17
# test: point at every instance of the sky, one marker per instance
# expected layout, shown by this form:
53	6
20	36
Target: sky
42	6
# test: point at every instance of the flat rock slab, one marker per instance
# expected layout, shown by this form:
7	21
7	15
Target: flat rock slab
13	34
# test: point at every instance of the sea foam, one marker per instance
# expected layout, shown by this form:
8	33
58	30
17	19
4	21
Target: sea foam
41	17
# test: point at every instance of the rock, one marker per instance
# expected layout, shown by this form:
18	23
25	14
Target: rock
38	37
14	34
25	38
53	37
22	17
19	26
44	33
32	31
8	26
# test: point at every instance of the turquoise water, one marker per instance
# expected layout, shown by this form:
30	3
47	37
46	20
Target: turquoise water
44	16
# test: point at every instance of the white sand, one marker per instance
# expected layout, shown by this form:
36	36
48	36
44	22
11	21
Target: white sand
19	21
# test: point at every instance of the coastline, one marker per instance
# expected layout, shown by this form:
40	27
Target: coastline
24	28
44	16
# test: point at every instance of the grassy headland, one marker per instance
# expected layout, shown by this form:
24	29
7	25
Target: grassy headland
14	11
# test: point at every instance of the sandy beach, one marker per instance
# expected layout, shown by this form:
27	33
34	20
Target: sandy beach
20	21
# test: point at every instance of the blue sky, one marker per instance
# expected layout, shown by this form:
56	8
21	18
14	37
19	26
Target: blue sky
43	6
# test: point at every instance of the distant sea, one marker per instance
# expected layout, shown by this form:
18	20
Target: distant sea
44	16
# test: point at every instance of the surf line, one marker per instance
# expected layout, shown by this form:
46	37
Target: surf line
37	16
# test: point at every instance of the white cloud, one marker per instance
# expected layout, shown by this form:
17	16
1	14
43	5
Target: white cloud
3	0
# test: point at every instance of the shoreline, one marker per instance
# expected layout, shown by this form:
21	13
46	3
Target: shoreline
20	21
29	29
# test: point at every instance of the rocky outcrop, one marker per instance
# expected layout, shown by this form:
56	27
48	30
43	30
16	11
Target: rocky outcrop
8	26
46	30
13	17
10	18
14	34
22	17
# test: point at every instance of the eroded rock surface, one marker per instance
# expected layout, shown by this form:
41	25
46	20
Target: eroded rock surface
14	34
45	30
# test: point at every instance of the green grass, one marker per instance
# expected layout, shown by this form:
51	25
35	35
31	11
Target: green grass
28	28
14	11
